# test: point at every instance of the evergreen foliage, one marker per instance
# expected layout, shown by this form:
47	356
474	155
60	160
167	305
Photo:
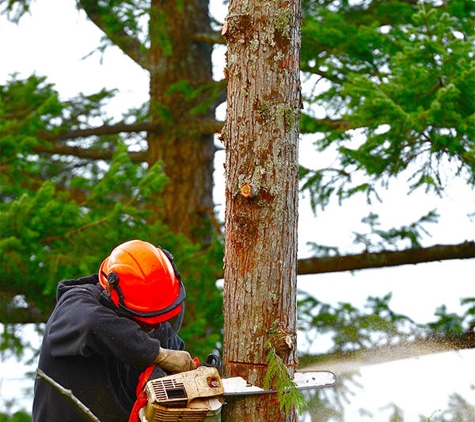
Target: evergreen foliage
278	377
398	75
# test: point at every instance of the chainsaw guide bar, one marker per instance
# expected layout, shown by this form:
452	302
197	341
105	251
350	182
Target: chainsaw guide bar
304	380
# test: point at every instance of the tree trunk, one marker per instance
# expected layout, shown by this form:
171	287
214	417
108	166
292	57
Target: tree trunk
178	66
261	141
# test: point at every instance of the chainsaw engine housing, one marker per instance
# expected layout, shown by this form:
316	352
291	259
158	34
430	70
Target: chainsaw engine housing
192	396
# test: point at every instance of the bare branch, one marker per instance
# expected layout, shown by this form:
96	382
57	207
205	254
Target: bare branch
206	127
86	153
69	396
362	261
104	130
312	125
210	38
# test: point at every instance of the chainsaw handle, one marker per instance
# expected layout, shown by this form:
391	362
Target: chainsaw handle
212	360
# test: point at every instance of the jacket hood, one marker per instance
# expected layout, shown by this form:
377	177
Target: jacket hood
67	285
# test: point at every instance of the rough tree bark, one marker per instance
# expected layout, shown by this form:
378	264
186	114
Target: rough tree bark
261	141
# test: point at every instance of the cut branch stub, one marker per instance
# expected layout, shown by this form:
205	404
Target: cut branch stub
282	341
247	190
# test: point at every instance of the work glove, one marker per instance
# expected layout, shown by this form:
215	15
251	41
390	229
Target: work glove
174	360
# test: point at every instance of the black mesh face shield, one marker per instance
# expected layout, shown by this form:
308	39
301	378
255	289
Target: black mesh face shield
176	322
171	327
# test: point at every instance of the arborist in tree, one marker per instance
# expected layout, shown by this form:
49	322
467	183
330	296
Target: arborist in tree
106	329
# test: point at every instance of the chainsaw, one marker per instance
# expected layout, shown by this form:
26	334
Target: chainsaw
198	395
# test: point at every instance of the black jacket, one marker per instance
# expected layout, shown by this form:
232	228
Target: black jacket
98	355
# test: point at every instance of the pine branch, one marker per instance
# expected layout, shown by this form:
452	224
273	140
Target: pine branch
132	47
69	396
288	395
206	126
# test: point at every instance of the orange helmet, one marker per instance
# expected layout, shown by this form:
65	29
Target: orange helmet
143	282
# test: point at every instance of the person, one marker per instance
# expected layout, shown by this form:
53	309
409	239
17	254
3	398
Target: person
106	329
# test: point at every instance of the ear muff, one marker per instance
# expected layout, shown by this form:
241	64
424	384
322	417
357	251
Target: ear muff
112	280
